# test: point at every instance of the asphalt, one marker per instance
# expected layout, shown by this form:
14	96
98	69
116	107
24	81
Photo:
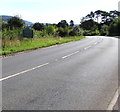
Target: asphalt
81	75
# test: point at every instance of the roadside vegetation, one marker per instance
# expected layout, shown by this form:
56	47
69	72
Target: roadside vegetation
101	23
96	23
15	46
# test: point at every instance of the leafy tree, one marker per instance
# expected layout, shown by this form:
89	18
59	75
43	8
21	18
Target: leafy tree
114	29
102	16
89	16
15	22
99	21
62	24
104	30
114	14
71	23
88	25
107	17
38	26
98	14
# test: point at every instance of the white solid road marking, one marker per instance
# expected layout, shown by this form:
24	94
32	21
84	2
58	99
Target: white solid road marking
2	79
114	100
70	54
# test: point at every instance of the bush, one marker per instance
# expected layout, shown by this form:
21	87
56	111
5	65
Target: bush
12	34
63	32
51	30
72	33
114	29
7	35
91	33
104	30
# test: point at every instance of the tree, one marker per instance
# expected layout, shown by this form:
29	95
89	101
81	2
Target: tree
71	23
89	16
98	22
15	22
114	29
62	24
104	30
114	14
38	26
102	16
88	25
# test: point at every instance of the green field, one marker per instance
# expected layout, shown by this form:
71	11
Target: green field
14	46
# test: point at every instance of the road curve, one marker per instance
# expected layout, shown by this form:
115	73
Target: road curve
81	75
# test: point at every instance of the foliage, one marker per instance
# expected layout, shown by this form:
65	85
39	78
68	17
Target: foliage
114	29
7	35
62	24
51	30
48	31
95	23
99	22
104	30
15	22
72	33
76	31
101	16
14	46
38	26
4	26
63	31
71	23
91	33
88	25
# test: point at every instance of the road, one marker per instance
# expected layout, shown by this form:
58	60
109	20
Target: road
81	75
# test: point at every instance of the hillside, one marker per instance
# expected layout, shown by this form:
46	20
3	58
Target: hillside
5	18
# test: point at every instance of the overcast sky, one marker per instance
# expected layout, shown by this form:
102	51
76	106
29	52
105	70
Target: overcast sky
53	11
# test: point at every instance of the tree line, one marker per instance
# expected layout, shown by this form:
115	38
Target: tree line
101	23
96	23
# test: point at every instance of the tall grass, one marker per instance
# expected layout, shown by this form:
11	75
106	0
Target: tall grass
14	46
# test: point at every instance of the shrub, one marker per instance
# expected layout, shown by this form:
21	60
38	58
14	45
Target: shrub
63	32
104	30
91	33
114	29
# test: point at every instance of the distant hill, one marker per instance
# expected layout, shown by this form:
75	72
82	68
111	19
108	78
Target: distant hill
5	18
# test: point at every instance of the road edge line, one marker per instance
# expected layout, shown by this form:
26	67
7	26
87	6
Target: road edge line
114	100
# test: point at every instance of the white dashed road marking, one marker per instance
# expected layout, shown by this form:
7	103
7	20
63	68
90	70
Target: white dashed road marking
8	77
87	47
70	54
11	76
95	43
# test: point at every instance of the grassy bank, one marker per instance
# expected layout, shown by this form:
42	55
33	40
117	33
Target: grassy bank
14	46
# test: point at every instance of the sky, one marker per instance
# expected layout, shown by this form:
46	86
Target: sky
53	11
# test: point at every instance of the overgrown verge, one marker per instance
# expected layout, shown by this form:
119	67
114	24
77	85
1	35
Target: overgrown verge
14	46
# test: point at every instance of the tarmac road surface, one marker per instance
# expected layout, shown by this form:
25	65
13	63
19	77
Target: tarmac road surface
80	75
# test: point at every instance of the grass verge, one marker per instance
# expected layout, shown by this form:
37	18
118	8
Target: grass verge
35	43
